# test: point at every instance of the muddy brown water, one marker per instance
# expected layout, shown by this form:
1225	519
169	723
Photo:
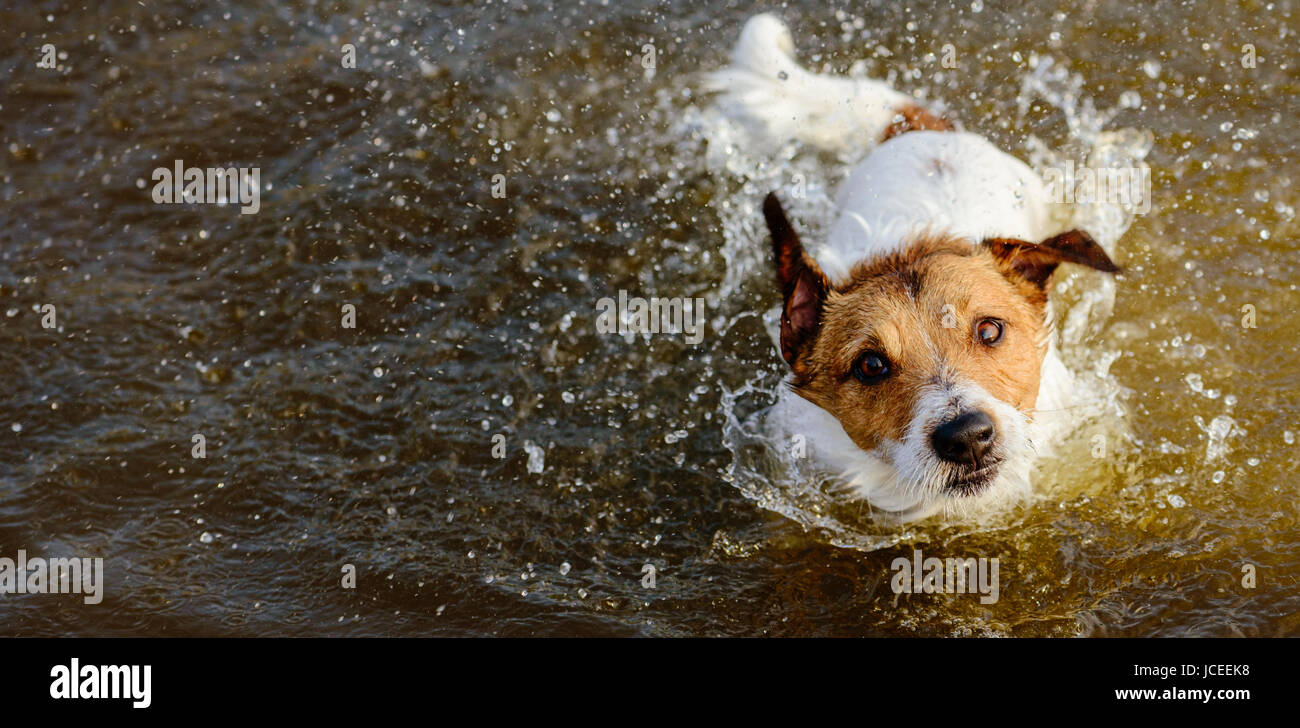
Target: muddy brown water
476	316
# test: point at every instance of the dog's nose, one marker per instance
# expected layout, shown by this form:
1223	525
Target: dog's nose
966	438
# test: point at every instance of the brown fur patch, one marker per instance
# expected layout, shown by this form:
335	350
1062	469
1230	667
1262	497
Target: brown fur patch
911	117
1035	262
802	283
920	308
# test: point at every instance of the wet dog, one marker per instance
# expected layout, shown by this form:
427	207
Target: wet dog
918	335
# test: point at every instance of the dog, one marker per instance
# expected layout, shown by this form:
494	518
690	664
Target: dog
923	372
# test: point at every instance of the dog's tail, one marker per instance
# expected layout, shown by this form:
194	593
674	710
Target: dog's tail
767	91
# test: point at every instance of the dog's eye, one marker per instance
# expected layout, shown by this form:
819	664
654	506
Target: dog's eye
989	331
872	367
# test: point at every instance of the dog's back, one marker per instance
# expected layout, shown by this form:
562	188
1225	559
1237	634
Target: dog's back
914	177
951	181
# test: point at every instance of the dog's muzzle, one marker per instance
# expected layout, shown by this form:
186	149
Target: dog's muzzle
968	442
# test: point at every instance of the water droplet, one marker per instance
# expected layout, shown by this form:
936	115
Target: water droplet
1217	434
536	457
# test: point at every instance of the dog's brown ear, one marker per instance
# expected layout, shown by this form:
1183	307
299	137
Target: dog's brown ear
803	286
1035	262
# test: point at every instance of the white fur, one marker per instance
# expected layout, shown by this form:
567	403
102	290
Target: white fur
950	182
947	181
767	91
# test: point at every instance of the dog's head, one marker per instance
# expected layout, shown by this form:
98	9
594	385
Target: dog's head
929	357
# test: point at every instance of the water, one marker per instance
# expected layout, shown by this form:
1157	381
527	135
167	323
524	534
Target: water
476	318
